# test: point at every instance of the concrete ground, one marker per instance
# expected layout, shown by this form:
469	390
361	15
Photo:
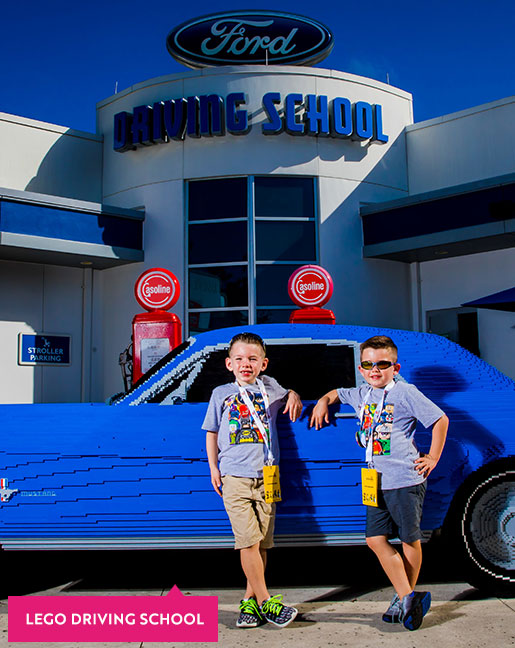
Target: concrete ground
460	617
340	593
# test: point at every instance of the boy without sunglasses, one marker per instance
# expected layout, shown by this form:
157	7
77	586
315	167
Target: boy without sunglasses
240	438
388	412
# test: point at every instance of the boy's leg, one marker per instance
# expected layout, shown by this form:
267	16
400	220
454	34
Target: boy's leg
239	496
392	564
272	609
412	606
405	506
249	591
381	526
412	556
253	565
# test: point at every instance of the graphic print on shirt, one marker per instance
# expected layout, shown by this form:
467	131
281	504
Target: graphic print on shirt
242	428
382	431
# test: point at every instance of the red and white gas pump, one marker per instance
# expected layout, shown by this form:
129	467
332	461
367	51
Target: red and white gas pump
310	287
156	332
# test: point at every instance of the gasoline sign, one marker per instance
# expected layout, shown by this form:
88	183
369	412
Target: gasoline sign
310	285
157	289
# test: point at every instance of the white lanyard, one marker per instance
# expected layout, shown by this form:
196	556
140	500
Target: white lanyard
264	433
377	417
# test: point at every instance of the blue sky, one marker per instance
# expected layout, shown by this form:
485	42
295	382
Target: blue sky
58	58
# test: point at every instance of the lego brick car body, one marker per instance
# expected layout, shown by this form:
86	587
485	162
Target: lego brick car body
135	474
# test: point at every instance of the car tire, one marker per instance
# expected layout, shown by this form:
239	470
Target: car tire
482	527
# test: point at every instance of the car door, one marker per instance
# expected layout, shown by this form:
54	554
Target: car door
320	469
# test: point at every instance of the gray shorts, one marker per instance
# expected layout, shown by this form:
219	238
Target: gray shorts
398	514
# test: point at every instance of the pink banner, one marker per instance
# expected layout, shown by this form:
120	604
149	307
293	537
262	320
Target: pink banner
174	617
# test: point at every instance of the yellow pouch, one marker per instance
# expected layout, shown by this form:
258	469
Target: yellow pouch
369	486
272	484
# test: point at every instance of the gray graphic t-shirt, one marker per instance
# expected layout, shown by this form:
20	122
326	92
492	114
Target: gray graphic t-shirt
393	444
241	449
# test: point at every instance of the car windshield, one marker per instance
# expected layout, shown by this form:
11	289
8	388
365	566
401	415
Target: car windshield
311	369
164	361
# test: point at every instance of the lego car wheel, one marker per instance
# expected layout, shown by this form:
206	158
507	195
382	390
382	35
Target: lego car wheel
487	531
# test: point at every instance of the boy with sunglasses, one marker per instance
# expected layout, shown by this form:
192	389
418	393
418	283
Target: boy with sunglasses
388	412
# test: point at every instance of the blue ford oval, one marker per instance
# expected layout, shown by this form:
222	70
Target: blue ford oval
250	37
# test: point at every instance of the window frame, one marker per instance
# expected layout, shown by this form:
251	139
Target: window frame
252	307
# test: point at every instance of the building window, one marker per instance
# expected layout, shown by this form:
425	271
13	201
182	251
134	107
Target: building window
245	238
457	324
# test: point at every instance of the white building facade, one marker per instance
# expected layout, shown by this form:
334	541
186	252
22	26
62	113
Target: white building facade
240	175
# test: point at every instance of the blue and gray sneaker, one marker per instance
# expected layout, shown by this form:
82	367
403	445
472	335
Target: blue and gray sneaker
250	614
276	612
393	613
414	607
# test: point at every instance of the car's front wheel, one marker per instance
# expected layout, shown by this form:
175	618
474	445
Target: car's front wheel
483	526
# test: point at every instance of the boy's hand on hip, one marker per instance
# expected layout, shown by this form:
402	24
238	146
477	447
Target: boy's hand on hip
216	480
293	406
425	464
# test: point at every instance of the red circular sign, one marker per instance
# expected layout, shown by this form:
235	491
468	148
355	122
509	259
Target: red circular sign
157	288
310	285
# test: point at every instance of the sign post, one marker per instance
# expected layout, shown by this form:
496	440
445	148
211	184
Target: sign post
310	287
156	332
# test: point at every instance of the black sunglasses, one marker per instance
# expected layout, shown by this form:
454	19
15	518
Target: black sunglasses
382	364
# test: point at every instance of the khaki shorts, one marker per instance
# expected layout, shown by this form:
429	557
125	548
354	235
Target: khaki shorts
252	519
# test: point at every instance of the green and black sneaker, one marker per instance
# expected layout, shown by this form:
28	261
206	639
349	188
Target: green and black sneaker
250	614
274	611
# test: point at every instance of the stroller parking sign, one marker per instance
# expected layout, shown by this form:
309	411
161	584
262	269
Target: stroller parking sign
43	349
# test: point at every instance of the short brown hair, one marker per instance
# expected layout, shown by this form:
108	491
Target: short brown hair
379	342
247	338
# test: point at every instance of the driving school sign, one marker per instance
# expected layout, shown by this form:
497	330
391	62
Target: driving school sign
157	289
249	37
310	285
215	115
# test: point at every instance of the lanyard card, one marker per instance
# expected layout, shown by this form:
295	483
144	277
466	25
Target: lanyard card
265	433
370	486
272	484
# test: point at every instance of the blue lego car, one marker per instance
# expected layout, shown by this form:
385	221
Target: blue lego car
135	474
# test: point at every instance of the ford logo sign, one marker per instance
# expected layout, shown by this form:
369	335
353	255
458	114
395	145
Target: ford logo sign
249	37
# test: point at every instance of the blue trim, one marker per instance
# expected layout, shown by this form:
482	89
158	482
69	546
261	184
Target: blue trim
438	194
475	208
48	222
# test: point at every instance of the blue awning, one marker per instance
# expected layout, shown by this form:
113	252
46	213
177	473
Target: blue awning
40	228
504	300
454	221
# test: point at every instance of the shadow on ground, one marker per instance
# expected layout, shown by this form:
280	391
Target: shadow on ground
28	572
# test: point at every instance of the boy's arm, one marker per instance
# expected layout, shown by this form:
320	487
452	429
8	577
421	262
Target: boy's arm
427	463
320	413
293	405
212	457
